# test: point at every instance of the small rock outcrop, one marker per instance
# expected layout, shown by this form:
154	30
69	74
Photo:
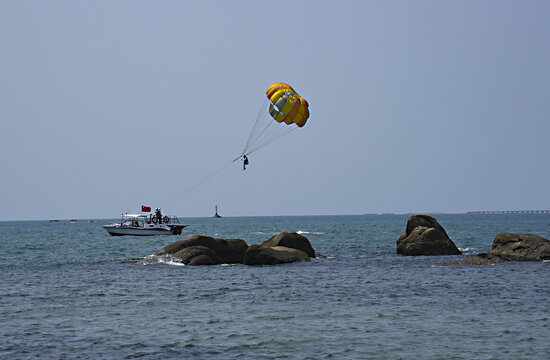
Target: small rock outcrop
266	255
425	236
521	247
478	260
197	255
229	251
291	240
511	247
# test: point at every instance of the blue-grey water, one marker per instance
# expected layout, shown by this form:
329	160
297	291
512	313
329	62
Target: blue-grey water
67	293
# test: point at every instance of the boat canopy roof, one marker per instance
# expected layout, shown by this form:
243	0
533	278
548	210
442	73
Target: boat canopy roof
134	216
138	216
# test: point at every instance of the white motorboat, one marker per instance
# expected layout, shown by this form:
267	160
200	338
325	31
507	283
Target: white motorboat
145	225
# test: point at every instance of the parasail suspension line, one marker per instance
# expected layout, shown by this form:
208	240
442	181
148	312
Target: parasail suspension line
200	182
265	130
257	123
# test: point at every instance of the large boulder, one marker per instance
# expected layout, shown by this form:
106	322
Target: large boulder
425	236
265	255
291	240
230	251
511	247
198	255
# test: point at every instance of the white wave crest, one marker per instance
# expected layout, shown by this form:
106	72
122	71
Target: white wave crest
161	260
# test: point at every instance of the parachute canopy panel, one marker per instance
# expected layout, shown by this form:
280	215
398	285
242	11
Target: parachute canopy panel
287	105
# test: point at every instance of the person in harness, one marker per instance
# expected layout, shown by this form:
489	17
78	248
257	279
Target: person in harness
245	162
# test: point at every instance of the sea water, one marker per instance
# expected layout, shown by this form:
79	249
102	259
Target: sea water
67	292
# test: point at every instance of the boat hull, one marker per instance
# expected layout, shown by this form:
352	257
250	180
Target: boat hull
118	230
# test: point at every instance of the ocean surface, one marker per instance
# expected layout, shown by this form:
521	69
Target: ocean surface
67	292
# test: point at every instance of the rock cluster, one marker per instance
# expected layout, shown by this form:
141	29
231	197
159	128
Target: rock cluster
285	247
425	236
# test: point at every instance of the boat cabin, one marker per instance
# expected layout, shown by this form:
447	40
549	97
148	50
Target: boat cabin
145	221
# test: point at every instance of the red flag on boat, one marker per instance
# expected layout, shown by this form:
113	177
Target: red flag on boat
145	208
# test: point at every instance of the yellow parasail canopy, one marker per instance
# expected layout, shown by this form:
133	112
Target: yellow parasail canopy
286	105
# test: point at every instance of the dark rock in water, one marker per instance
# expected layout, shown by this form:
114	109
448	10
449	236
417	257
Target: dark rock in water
425	236
198	255
521	247
285	247
229	251
511	247
291	240
478	260
265	255
132	260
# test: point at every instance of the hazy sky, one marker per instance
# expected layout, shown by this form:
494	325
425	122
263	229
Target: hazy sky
416	106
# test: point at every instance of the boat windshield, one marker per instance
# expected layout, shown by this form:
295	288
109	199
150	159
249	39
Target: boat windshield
133	222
